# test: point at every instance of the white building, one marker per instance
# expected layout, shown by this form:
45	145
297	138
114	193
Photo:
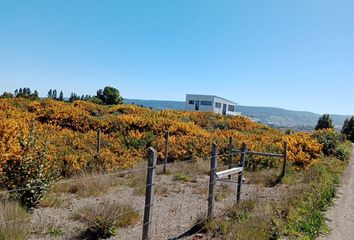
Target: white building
209	103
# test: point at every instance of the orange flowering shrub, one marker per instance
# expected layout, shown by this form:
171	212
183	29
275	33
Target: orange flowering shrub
303	149
63	114
65	134
24	161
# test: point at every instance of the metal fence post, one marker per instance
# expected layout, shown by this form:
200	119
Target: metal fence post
149	195
98	140
283	171
166	150
242	164
212	181
230	155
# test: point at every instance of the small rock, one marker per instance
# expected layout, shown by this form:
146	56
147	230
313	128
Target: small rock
198	236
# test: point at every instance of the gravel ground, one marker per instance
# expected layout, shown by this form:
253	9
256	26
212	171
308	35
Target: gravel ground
340	217
178	206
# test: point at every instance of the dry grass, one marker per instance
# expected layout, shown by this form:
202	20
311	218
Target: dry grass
222	191
201	189
135	179
40	228
103	219
55	201
87	185
14	221
266	177
198	167
251	219
161	190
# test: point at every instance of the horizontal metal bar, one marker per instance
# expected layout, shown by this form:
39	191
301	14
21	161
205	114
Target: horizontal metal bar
260	153
265	154
225	173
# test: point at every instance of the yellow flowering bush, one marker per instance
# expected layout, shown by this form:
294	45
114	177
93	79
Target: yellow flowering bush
64	137
303	149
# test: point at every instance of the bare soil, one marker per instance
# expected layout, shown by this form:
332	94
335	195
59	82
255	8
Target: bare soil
178	206
340	217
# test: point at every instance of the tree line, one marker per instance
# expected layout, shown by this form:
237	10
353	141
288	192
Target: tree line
106	96
21	92
325	122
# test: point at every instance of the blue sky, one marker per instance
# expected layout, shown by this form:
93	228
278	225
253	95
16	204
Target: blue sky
294	54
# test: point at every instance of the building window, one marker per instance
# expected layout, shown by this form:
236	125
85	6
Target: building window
217	105
191	102
231	108
206	103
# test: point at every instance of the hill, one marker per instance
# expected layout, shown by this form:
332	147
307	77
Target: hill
276	117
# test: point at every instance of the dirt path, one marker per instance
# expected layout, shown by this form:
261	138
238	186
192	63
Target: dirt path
341	217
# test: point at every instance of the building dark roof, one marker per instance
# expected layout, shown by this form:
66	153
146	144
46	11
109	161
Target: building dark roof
203	95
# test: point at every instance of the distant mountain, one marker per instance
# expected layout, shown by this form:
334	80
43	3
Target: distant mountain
157	104
276	117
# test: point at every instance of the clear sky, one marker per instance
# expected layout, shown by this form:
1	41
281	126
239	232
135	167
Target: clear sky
294	54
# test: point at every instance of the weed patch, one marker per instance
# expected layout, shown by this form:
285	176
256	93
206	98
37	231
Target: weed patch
14	221
104	219
182	177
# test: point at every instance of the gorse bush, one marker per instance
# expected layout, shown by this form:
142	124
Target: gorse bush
47	139
302	149
26	168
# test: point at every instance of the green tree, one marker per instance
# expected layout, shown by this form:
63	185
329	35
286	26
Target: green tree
109	96
345	128
95	100
26	93
7	95
61	96
55	94
34	95
50	93
324	122
348	128
73	97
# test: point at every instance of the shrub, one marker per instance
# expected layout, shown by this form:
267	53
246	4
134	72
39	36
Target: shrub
104	218
68	146
26	169
302	149
343	152
330	140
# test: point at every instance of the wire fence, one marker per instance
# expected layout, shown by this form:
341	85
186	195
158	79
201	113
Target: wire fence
179	206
